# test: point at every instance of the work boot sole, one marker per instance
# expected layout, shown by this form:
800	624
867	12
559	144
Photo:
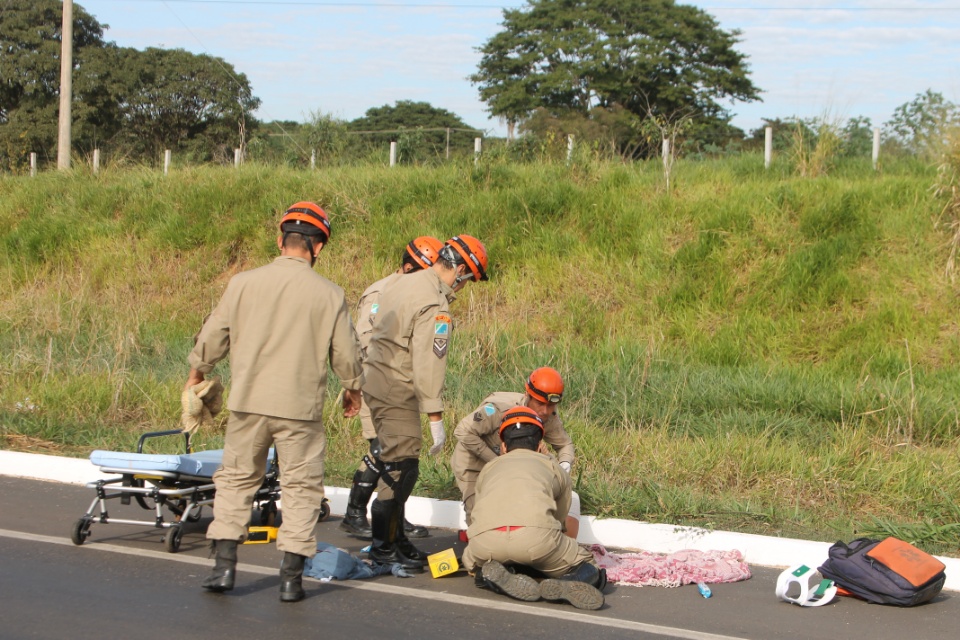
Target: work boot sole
580	594
515	585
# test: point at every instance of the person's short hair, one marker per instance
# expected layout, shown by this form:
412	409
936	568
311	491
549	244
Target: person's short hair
522	437
297	242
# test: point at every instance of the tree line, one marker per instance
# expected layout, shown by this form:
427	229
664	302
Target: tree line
619	75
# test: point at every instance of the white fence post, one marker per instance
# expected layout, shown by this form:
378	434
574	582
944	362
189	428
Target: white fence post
767	147
393	153
477	147
236	158
313	159
876	148
96	160
569	147
33	164
166	162
666	154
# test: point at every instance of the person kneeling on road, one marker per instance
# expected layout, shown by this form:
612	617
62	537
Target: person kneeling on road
522	501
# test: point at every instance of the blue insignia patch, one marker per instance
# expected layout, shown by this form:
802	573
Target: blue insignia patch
374	308
441	328
489	409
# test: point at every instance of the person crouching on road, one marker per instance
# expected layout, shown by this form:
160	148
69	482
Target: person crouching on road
280	324
522	502
420	254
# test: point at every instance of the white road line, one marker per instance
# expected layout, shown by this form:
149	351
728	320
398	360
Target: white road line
554	614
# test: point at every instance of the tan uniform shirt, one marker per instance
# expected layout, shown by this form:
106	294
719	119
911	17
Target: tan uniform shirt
407	355
281	323
478	434
367	308
521	489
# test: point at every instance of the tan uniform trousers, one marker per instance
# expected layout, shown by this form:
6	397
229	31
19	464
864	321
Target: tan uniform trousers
366	430
547	550
467	483
399	433
366	423
300	447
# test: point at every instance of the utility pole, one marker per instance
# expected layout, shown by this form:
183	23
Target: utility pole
66	85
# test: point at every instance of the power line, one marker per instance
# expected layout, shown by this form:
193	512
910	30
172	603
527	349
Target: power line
434	5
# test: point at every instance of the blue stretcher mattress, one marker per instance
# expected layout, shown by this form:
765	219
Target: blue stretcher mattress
202	463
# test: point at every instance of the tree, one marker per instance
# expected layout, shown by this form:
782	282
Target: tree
922	125
30	36
648	56
171	98
421	127
143	100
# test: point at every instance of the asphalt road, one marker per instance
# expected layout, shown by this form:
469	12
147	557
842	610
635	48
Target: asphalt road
122	584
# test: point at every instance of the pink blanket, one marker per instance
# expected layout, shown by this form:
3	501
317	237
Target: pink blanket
673	569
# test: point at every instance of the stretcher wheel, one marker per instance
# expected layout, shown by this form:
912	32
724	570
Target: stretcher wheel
193	514
324	510
80	531
269	515
171	540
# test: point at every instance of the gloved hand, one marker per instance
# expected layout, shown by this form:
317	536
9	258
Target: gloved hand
200	402
565	466
439	436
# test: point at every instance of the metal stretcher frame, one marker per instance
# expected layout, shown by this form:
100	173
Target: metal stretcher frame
183	494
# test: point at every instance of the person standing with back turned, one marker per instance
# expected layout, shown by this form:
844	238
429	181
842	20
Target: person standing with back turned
281	323
404	370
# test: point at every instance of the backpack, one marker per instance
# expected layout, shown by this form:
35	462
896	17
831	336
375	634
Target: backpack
885	572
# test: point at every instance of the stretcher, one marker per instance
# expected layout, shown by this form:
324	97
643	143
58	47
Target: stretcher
181	484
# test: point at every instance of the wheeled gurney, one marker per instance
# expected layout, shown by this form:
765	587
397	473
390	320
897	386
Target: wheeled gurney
181	483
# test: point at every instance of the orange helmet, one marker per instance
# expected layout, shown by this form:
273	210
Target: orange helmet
306	218
518	417
464	249
545	385
424	251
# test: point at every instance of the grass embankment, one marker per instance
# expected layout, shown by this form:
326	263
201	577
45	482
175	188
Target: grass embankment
754	352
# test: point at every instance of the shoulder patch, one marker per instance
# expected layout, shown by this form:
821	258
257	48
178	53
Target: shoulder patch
477	417
489	409
439	347
441	325
374	308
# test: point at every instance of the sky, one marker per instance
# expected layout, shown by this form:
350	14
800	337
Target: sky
831	59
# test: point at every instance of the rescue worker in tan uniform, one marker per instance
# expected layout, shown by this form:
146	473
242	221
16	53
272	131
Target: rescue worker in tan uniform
280	324
404	371
478	439
522	501
421	253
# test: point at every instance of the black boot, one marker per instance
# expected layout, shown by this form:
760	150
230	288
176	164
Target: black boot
386	527
224	572
405	547
581	586
355	520
414	530
291	577
589	573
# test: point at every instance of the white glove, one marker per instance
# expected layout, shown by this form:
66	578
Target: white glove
565	466
439	436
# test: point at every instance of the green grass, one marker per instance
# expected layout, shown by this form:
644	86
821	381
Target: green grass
750	351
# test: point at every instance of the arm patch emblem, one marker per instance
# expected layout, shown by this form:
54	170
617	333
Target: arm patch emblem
439	347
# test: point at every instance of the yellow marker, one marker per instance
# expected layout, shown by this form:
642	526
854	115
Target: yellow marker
443	563
261	535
